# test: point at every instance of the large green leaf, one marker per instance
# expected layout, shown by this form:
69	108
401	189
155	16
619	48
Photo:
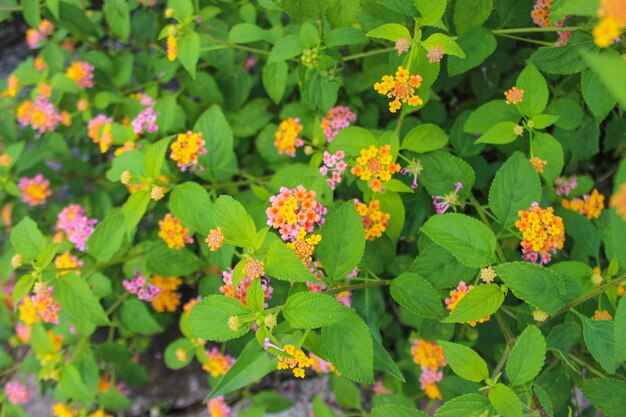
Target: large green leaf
464	361
598	336
606	394
417	295
505	401
209	318
304	310
237	225
535	90
75	296
478	44
527	356
27	239
190	203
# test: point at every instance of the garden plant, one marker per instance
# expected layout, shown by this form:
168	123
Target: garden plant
422	203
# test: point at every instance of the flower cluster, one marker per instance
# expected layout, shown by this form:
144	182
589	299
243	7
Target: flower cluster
67	261
618	201
40	115
35	191
13	85
402	45
541	17
601	315
35	36
240	293
217	407
415	169
254	269
76	225
293	210
435	54
215	239
376	166
321	366
296	360
374	220
538	164
217	363
336	119
82	73
40	305
304	246
564	185
173	232
400	89
186	149
166	299
63	410
443	202
488	275
514	95
456	295
429	356
612	15
17	393
542	232
145	122
172	48
139	286
99	130
333	165
590	205
286	137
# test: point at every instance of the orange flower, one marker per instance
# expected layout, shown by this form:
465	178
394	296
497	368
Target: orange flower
400	89
173	232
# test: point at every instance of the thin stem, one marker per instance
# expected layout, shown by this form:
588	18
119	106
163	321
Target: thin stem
10	8
358	286
234	45
504	327
500	365
534	29
519	38
99	265
586	365
368	53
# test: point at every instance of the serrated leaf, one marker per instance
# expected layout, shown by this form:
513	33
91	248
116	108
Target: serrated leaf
304	310
464	361
245	33
275	80
395	410
342	12
443	170
287	47
505	401
489	114
209	318
527	357
189	52
467	239
237	225
416	294
390	31
447	44
440	268
598	337
190	203
431	10
464	405
155	157
118	17
27	239
598	97
546	147
425	138
282	263
619	335
499	134
134	208
471	13
75	296
535	90
612	72
479	302
478	44
606	394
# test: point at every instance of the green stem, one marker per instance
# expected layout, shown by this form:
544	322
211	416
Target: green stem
116	304
368	53
234	45
586	365
235	183
98	265
358	286
504	327
534	30
500	365
519	38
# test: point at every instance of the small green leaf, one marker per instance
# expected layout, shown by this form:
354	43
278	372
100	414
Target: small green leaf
27	239
190	203
598	336
499	134
189	52
346	393
304	310
287	47
535	91
351	140
464	361
246	33
489	114
275	80
464	405
546	147
155	157
22	288
108	236
431	10
209	318
527	357
118	17
425	138
78	299
478	303
447	44
505	401
612	72
282	263
177	350
134	208
395	410
390	31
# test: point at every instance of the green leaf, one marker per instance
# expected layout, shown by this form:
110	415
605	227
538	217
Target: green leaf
251	366
390	31
349	347
598	97
542	121
440	268
546	147
598	336
443	171
478	44
172	357
489	114
447	44
218	136
467	239
320	409
619	336
53	6
304	310
343	241
245	33
75	296
27	239
346	393
515	187
535	90
190	203
344	36
168	262
22	288
272	401
527	357
237	225
394	410
431	10
118	17
134	208
538	286
155	157
351	140
612	72
464	361
286	47
505	401
31	12
135	316
417	295
464	405
255	296
479	302
73	386
189	52
342	12
209	318
499	134
107	238
282	263
471	13
570	113
384	362
425	138
182	8
302	8
606	394
275	80
559	59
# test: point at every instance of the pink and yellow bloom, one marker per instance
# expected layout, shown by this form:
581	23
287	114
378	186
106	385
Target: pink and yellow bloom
293	210
286	137
99	130
186	149
337	119
82	73
400	89
173	232
376	166
35	191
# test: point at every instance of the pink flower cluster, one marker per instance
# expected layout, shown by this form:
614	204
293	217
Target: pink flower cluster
45	305
294	209
240	292
17	393
564	185
82	73
140	287
217	407
35	36
145	121
35	190
335	165
40	115
429	377
338	118
443	202
77	227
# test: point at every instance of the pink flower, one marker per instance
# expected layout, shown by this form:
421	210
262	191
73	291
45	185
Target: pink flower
76	225
138	286
338	118
443	203
565	185
18	393
145	121
435	54
218	408
335	166
35	191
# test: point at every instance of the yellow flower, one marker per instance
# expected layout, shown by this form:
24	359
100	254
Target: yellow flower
590	205
375	165
63	410
538	164
605	32
542	232
215	239
601	315
374	220
400	89
186	149
172	48
167	299
428	354
173	232
286	137
67	260
13	85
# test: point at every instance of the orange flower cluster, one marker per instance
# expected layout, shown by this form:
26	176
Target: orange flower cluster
186	149
167	299
456	295
612	22
173	232
590	205
286	137
538	164
429	356
542	232
82	73
618	201
400	89
41	305
65	261
99	130
217	363
40	115
13	85
254	269
215	239
374	220
514	96
601	315
297	360
376	166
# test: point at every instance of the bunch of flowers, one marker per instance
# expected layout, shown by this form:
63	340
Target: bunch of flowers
429	356
145	122
293	210
35	36
67	261
76	225
542	232
35	191
217	363
286	137
374	220
13	85
217	407
565	185
333	165
289	357
81	72
17	393
514	95
40	115
242	289
173	232
456	295
376	166
41	305
215	239
541	17
99	130
140	287
186	149
400	89
167	298
590	205
336	119
612	15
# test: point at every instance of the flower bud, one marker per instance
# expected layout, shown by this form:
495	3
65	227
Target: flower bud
270	321
540	316
156	193
169	12
125	177
16	261
233	323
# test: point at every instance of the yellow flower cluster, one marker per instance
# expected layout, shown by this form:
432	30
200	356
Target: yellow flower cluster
375	165
167	299
400	89
601	315
254	269
456	295
542	232
63	410
297	361
217	363
13	85
186	149
612	15
65	261
286	137
430	357
173	232
172	48
304	246
374	220
590	205
618	201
